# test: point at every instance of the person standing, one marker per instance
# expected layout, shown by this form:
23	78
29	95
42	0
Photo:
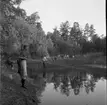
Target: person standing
22	70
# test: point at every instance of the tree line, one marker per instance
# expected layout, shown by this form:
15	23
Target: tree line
23	35
75	40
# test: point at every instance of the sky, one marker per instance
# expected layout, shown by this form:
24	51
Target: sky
53	12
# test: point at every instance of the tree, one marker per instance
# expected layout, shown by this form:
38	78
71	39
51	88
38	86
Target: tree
89	31
86	31
64	30
33	18
52	41
92	31
25	29
50	46
55	36
76	33
10	14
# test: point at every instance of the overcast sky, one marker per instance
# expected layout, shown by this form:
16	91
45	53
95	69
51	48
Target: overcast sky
53	12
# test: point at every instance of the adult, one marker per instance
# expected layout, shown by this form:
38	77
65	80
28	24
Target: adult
22	70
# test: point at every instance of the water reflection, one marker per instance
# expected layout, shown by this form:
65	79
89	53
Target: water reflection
65	82
59	87
81	88
75	80
71	84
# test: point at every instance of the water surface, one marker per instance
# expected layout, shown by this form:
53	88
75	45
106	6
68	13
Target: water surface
71	87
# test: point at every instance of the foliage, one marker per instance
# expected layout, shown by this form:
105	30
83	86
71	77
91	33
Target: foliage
26	30
18	30
64	30
76	33
33	18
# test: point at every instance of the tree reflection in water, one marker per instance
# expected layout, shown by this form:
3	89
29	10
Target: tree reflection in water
65	85
75	80
56	80
65	82
90	83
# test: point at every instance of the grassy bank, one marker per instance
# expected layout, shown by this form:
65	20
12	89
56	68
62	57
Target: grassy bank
95	60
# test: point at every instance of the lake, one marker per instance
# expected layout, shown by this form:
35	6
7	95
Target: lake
73	87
